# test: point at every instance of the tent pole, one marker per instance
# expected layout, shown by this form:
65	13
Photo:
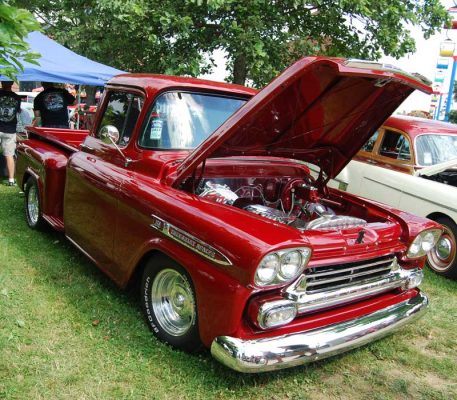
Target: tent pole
78	104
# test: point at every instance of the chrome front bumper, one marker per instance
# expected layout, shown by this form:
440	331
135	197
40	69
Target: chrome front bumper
299	348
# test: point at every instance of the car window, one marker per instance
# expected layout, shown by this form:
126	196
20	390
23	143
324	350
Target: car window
435	148
368	146
395	145
180	120
122	112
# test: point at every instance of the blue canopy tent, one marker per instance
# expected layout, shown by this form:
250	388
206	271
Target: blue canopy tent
61	65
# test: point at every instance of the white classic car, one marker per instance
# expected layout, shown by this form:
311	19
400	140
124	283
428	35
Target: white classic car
411	164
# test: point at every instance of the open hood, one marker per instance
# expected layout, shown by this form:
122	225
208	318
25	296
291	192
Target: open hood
320	110
437	168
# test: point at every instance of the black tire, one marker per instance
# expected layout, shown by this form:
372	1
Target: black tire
33	209
169	303
443	257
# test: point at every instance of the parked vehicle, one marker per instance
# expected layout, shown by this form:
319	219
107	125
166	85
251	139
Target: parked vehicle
416	148
201	190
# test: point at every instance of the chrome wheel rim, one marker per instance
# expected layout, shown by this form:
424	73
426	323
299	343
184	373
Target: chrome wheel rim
443	248
173	302
442	256
33	206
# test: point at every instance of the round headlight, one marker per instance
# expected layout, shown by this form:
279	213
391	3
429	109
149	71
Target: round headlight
291	263
428	241
415	249
423	243
282	266
267	270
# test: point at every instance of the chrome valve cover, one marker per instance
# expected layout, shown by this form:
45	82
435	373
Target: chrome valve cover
270	213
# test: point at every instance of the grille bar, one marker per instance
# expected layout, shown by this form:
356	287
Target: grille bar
333	277
351	277
334	270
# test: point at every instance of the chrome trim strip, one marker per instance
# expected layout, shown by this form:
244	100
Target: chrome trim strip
191	242
266	354
365	64
307	302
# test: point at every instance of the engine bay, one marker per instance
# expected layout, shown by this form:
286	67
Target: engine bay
295	202
448	177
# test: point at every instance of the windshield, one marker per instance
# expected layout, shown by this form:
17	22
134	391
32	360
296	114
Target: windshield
434	149
184	120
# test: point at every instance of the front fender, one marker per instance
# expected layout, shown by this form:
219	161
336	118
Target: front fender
221	299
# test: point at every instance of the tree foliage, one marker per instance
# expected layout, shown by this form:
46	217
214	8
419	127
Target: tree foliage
15	24
258	37
452	116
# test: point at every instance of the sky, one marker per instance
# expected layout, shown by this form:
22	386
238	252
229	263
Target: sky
422	61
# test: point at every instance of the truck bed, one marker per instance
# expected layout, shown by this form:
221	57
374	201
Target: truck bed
68	139
44	156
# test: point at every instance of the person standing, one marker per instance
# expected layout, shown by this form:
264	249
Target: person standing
10	107
50	107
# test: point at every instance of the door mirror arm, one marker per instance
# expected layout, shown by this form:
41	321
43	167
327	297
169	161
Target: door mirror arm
109	134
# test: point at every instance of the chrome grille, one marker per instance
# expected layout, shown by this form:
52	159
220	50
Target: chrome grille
321	279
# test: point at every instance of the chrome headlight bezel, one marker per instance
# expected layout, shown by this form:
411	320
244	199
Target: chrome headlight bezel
291	263
423	243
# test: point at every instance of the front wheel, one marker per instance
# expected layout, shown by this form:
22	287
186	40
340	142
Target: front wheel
442	258
169	303
33	212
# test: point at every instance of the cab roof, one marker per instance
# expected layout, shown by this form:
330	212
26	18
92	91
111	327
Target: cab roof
154	83
415	126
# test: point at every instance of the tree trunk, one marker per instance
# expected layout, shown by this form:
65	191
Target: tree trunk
90	95
239	69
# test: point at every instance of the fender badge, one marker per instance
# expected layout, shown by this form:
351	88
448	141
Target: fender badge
186	239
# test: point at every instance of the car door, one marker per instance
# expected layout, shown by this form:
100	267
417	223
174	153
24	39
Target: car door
94	177
392	152
353	174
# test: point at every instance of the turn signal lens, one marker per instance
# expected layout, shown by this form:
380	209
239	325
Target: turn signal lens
276	313
280	317
423	243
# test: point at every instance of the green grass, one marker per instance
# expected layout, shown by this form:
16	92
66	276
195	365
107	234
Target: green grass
66	332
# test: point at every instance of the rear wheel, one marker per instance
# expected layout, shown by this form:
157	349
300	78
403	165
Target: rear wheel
169	303
33	212
442	258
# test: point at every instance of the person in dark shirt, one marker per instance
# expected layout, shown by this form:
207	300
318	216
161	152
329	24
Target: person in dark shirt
10	106
50	106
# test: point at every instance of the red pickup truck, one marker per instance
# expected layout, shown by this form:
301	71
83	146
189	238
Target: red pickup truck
202	190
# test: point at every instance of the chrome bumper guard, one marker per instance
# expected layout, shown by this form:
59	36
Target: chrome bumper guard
299	348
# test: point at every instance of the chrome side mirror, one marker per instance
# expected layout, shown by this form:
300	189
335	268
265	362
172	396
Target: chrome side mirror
109	134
